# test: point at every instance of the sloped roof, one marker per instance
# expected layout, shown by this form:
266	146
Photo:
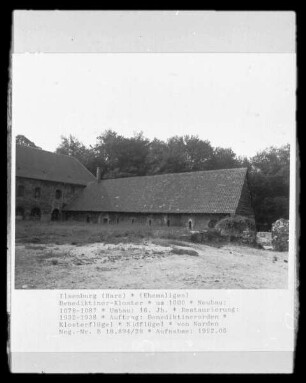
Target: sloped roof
40	164
216	191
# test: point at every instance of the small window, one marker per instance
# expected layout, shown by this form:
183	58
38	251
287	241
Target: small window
168	222
150	222
58	194
20	191
37	193
132	221
19	213
88	219
190	224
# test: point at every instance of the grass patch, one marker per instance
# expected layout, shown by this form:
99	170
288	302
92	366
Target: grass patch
179	243
77	233
31	247
161	242
170	242
50	255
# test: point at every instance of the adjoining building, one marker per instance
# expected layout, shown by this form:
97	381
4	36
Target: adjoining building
46	182
195	200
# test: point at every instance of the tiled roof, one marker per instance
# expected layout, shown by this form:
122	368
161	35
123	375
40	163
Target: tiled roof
40	164
215	191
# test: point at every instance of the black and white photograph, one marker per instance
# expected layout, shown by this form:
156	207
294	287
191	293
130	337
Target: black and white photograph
152	225
157	171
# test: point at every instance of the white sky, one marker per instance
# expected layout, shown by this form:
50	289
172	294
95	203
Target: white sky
242	101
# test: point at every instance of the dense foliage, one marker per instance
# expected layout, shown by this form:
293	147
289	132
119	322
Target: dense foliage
235	225
237	228
119	156
280	235
269	183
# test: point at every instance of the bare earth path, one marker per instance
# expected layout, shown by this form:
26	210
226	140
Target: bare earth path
147	264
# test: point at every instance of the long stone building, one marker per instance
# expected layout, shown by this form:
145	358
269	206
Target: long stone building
195	200
52	187
46	182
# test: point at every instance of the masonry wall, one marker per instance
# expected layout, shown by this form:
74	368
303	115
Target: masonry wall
245	203
46	202
191	221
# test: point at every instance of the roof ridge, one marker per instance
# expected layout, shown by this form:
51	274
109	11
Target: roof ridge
84	167
67	168
168	193
46	151
179	173
59	154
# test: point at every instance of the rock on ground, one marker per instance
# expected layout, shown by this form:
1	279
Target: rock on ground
280	235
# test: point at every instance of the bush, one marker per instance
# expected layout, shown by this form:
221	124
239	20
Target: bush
242	229
280	235
211	236
235	225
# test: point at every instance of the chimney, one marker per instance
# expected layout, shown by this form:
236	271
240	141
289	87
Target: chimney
98	174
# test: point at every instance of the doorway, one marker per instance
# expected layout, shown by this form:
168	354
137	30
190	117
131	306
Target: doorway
35	213
55	215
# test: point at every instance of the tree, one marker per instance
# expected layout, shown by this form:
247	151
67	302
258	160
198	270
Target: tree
184	154
244	162
272	161
23	140
123	156
135	151
156	157
199	153
71	146
175	159
224	158
270	184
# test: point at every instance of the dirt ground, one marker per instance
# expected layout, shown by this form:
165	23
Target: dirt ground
85	256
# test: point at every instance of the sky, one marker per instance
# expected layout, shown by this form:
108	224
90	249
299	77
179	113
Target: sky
242	101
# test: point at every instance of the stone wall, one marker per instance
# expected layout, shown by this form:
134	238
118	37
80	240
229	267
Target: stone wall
264	239
45	200
191	221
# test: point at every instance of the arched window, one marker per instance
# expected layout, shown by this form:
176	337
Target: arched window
37	193
190	224
58	194
19	212
20	191
35	213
